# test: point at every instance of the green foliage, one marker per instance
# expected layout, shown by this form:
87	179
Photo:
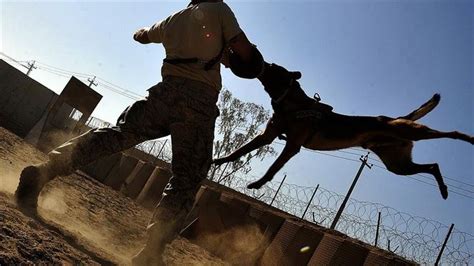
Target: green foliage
238	123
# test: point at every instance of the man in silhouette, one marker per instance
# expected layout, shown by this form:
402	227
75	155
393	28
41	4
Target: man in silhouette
182	105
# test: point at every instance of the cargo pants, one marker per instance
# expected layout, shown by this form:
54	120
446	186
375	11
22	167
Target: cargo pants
183	108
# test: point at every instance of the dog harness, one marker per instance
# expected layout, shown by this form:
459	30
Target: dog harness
285	93
314	114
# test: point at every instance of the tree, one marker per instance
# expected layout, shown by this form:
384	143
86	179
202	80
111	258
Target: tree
238	123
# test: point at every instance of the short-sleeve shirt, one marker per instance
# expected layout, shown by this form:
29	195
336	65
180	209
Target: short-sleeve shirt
199	31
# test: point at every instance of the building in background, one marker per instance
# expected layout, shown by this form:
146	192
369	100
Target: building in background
36	113
68	115
23	100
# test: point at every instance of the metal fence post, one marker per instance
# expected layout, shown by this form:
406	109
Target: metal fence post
278	190
309	203
377	232
162	147
152	147
444	244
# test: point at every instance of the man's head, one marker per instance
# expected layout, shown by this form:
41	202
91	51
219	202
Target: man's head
194	2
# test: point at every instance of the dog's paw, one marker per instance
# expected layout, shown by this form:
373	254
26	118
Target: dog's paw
444	191
219	161
255	185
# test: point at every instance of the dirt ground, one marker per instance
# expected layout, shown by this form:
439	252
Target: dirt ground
86	222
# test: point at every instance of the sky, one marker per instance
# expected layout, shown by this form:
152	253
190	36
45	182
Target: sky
363	57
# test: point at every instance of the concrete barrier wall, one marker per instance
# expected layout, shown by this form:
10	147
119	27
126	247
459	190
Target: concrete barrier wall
269	221
120	172
326	250
303	245
23	101
293	245
276	252
104	166
375	258
138	179
126	185
350	253
220	222
288	240
153	189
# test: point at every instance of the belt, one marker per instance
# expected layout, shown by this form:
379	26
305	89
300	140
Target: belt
175	61
207	64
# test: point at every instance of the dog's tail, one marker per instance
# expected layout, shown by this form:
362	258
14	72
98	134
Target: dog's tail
424	109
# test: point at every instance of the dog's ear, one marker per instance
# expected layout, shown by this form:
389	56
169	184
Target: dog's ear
296	75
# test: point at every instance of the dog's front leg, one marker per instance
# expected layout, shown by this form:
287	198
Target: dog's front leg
267	137
290	150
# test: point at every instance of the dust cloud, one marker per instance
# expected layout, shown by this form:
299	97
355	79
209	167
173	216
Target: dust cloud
243	244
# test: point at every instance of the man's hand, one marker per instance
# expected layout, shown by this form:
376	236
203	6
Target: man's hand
141	36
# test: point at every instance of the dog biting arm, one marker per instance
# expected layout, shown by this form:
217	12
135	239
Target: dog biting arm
242	46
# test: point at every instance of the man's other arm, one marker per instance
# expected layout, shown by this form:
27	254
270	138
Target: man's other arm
154	34
141	36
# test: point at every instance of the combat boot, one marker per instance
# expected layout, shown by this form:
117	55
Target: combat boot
161	231
32	180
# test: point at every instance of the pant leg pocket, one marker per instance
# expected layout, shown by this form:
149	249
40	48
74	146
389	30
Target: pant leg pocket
133	118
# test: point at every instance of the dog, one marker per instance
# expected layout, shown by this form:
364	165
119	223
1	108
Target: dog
305	122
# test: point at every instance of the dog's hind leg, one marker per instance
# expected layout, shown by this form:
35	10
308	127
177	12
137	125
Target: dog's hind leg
290	150
397	159
267	137
414	131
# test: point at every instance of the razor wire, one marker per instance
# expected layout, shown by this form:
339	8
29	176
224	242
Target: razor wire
160	149
413	237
